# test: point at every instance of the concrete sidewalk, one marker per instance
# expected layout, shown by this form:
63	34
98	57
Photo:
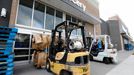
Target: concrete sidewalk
125	68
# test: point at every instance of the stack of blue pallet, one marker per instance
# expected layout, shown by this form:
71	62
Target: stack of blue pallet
7	37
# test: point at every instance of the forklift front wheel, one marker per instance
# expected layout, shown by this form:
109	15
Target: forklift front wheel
106	60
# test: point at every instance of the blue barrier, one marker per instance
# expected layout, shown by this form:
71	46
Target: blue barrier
6	62
6	68
5	52
6	57
6	72
6	42
7	37
6	29
11	64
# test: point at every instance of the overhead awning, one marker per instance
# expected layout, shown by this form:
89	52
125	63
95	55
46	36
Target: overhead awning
126	36
67	7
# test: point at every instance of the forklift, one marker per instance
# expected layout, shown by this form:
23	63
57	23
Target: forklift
68	54
101	49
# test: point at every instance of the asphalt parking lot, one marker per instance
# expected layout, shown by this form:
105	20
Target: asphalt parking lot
97	68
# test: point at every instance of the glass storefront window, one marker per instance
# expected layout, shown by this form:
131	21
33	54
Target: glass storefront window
49	18
22	41
21	52
25	12
59	17
21	58
68	18
38	19
74	20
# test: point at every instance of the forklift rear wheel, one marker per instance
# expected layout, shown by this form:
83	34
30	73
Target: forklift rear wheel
106	60
48	66
111	60
65	73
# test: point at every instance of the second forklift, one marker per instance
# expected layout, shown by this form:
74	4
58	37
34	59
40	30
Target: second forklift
102	49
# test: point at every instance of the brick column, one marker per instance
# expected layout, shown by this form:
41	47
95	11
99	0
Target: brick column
13	16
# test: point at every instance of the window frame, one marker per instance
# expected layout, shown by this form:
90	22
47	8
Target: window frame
46	5
34	14
16	19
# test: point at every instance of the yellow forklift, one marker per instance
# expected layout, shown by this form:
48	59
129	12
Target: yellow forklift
67	53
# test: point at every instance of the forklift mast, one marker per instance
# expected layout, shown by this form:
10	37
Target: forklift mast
68	27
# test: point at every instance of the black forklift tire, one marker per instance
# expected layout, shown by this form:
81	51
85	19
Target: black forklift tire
48	66
91	58
106	60
111	60
64	72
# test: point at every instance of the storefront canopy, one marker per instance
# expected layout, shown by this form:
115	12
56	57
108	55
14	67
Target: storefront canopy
127	36
67	7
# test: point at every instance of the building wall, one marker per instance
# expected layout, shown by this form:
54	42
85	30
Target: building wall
89	28
13	12
122	42
123	31
25	31
7	5
104	28
113	27
115	34
91	8
12	7
98	29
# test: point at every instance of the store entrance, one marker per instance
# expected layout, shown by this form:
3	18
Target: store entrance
23	56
